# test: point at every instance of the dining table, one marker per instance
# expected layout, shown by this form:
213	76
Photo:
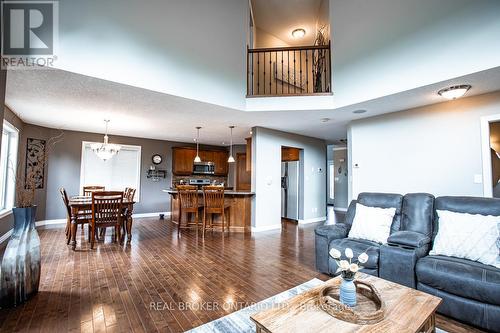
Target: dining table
79	204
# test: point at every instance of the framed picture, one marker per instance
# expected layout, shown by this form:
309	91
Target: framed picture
35	161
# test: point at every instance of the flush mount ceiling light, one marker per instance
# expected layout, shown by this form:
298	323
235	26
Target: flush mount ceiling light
359	111
454	92
197	159
325	120
231	158
105	150
298	33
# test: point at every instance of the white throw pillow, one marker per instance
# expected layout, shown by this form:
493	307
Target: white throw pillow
467	236
372	223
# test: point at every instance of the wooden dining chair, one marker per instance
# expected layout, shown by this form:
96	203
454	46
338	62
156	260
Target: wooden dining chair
188	204
107	211
82	217
213	203
129	193
87	190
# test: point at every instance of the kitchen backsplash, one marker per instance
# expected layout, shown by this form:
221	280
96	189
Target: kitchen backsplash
177	179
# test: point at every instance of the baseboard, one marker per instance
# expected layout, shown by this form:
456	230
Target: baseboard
6	236
151	214
313	220
50	222
340	209
266	228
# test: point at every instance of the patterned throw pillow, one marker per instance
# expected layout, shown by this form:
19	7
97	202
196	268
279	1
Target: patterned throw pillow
468	236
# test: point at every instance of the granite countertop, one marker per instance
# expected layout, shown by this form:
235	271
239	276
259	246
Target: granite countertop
227	192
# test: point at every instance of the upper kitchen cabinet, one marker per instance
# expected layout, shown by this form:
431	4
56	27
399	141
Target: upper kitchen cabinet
182	161
289	154
183	158
221	164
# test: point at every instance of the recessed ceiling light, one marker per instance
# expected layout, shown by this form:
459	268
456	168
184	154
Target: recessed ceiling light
298	33
325	120
454	92
359	111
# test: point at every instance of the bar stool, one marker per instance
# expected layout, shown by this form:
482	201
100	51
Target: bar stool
188	204
213	202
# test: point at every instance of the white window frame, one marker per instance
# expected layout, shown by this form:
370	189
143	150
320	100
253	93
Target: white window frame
486	154
9	170
129	147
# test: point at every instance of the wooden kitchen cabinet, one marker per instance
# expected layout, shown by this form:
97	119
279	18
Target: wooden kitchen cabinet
289	154
182	161
249	154
221	164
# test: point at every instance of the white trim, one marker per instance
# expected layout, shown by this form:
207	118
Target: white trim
339	148
5	212
50	222
340	209
139	166
313	220
266	228
486	155
6	236
150	214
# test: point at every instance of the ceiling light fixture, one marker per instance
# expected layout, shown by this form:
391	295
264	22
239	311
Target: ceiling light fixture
231	158
454	92
359	111
325	120
298	33
197	159
105	150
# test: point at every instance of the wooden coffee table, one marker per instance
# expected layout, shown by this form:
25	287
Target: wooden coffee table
407	310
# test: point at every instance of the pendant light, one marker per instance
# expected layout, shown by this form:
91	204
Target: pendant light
105	150
231	158
197	159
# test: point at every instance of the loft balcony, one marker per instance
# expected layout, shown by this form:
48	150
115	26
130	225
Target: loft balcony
289	71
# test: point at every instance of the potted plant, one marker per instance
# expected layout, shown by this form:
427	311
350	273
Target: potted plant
21	263
348	270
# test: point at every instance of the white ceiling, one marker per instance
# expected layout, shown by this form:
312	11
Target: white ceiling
60	99
280	18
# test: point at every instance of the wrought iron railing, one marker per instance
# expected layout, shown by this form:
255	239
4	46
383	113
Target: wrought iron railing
289	71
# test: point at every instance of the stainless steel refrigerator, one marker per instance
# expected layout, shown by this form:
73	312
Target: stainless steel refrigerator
290	190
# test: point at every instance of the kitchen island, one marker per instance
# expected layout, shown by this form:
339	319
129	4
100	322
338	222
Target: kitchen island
240	210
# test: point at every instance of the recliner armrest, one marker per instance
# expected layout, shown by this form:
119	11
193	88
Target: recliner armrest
410	239
333	231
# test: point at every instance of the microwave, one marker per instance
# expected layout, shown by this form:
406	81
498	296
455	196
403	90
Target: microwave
204	168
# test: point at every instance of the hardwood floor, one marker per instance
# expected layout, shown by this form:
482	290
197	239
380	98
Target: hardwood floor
161	282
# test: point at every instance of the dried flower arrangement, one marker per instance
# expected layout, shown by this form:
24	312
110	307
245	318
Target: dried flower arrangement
319	59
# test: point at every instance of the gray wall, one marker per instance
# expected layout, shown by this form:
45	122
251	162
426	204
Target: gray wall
435	149
64	162
266	176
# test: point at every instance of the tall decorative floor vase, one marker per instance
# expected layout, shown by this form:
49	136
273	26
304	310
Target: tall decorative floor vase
348	292
20	274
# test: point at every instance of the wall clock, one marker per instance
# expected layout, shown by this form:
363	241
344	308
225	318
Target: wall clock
156	159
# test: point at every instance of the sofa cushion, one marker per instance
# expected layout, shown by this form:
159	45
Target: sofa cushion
357	246
417	213
460	277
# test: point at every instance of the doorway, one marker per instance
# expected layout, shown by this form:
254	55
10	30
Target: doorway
490	137
290	183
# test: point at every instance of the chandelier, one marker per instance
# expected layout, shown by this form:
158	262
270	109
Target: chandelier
105	150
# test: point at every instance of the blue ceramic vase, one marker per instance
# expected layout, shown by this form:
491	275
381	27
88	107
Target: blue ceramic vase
348	292
20	273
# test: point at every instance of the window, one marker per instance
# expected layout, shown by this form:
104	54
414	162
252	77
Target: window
331	177
8	166
120	171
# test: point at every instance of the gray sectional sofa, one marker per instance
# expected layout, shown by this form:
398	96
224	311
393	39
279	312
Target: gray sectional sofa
470	290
